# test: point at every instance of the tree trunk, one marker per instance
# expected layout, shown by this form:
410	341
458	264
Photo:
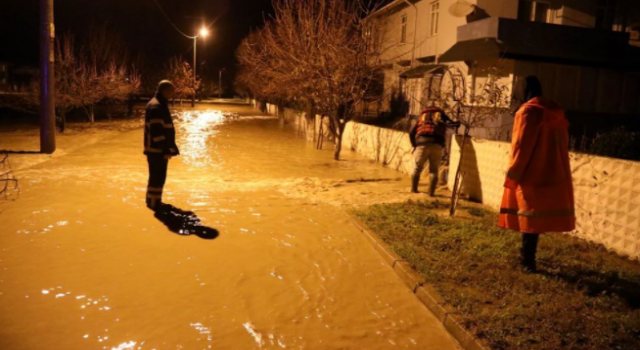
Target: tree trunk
63	121
310	118
336	154
455	191
130	106
320	140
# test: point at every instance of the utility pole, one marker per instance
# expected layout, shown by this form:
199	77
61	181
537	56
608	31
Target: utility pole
47	79
195	44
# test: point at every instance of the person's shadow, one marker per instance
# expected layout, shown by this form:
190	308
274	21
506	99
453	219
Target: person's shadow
184	223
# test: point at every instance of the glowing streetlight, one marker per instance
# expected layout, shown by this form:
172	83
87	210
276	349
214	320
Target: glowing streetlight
203	33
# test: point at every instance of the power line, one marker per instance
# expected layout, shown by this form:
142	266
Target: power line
171	22
175	26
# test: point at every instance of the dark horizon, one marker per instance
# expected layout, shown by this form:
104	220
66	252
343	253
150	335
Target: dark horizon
142	26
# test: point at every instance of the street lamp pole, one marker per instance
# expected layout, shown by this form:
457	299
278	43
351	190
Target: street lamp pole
203	33
195	45
220	83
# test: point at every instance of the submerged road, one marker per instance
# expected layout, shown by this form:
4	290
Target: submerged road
85	265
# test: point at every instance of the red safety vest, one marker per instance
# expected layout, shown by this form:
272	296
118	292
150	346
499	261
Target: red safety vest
430	123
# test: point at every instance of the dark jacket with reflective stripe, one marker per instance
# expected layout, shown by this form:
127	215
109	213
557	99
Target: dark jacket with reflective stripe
159	134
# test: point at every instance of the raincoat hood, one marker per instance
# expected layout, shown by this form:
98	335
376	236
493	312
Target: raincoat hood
540	102
553	113
161	98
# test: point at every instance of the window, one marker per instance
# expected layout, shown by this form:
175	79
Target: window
435	17
534	11
403	31
605	14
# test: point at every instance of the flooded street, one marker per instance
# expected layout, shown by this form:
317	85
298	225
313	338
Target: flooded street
85	265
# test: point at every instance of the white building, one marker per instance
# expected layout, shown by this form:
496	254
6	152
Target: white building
583	51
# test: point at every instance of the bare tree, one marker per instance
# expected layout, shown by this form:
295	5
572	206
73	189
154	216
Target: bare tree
119	83
88	83
320	53
115	78
181	74
98	74
67	70
105	47
473	102
82	82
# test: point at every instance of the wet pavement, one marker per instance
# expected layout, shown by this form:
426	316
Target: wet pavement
85	265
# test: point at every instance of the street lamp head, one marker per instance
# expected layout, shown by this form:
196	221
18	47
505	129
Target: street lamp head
204	32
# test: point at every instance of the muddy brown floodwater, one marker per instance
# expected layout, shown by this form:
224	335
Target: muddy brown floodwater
84	264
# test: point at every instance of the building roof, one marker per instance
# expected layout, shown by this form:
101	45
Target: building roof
422	70
393	4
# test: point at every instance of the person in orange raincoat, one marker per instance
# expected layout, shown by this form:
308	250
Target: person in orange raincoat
538	190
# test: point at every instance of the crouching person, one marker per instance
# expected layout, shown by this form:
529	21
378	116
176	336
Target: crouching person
538	190
428	138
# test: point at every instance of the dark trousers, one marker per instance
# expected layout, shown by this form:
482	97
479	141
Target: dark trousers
529	249
157	177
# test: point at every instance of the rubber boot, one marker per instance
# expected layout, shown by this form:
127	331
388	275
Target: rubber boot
415	181
528	252
433	183
154	204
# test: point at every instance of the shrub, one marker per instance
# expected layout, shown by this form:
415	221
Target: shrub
618	143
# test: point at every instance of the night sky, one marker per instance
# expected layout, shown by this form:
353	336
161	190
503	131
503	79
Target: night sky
141	25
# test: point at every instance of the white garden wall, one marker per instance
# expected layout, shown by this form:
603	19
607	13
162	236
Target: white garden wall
388	147
607	191
298	118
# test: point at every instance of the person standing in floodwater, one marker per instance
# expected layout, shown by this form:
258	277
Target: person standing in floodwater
428	137
538	189
159	141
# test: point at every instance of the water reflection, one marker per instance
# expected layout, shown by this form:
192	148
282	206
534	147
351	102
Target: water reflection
252	331
198	127
184	223
125	346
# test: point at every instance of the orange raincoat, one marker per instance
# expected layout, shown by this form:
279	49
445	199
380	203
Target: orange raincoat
538	191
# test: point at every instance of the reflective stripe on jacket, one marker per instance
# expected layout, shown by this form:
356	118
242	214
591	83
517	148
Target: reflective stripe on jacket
431	127
538	193
431	123
159	132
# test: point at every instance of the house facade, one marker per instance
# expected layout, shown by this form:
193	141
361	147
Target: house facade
585	52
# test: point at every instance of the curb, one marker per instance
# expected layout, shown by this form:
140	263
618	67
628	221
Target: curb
425	292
